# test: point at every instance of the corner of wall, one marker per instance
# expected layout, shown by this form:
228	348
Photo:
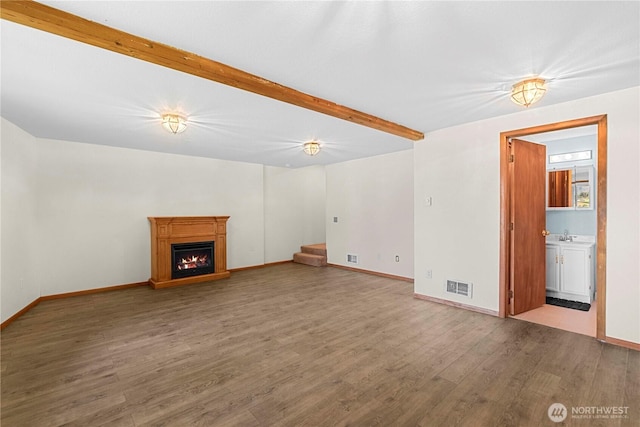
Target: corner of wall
373	213
18	161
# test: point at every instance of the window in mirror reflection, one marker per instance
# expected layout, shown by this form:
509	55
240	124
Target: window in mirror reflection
582	196
583	189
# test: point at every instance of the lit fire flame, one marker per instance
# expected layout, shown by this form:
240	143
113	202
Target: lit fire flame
193	262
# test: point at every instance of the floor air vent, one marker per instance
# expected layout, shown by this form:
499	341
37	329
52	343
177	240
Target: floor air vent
459	288
352	258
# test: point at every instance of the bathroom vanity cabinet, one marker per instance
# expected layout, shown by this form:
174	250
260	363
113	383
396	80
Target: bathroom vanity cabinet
570	270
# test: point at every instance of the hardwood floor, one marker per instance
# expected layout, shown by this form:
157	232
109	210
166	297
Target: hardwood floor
294	345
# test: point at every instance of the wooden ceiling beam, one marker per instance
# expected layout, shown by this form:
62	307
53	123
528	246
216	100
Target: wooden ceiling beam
55	21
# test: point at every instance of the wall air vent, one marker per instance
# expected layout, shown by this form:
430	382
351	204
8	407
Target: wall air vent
352	258
459	288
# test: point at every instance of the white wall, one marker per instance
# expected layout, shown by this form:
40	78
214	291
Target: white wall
373	200
294	210
2	123
458	237
18	284
93	204
78	212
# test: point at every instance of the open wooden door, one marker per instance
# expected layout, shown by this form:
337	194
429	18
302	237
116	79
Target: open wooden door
527	166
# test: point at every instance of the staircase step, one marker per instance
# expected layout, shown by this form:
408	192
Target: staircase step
310	259
317	249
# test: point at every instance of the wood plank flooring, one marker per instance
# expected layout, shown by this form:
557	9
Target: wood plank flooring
291	345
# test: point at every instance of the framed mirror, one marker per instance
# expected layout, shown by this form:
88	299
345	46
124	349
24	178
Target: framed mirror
570	189
560	188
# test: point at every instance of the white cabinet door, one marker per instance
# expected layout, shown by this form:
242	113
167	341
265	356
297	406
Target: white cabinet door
569	272
574	270
553	270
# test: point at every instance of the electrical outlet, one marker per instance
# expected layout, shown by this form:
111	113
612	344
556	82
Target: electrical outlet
397	258
429	274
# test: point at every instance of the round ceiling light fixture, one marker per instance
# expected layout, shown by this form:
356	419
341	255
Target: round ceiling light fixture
528	91
174	123
311	148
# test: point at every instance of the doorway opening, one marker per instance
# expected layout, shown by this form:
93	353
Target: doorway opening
507	244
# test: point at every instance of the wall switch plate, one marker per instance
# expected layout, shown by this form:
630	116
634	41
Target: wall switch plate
428	201
335	219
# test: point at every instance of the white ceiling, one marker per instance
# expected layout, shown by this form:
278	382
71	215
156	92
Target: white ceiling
426	65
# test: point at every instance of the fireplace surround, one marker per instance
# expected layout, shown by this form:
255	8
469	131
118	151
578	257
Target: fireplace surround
187	250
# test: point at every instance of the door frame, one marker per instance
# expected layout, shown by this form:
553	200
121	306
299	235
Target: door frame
601	197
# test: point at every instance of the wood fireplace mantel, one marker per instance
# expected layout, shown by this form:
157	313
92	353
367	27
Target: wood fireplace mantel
166	231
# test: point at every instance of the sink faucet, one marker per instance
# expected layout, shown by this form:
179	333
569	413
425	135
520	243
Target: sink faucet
566	237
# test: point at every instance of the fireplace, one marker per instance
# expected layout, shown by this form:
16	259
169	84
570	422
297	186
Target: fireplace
188	249
191	259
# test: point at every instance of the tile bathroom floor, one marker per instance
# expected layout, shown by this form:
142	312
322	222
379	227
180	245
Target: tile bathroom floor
581	322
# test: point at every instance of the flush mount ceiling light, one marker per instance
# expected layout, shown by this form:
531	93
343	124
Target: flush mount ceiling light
174	123
311	148
528	91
